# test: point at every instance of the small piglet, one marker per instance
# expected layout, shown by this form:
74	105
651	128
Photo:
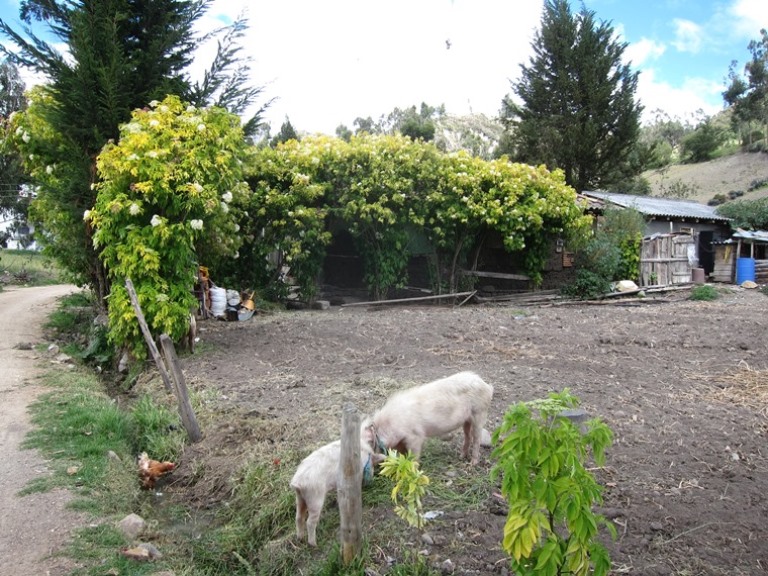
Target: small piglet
315	476
411	416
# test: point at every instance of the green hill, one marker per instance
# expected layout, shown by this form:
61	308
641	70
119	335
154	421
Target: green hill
741	172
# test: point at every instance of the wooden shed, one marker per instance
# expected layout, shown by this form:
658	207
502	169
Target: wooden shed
680	234
743	244
667	259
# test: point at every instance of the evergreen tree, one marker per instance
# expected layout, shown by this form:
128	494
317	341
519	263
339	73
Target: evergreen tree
122	55
576	107
748	95
12	99
287	132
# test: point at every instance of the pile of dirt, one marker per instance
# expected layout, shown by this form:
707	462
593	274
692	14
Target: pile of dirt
683	384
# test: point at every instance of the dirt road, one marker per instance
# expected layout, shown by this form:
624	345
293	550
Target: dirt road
32	527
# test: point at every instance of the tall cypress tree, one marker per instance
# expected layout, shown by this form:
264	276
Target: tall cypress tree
122	55
575	107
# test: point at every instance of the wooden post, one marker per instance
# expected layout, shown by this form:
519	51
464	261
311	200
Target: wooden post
350	485
148	335
188	419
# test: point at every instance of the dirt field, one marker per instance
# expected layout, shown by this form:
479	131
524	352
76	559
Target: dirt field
683	384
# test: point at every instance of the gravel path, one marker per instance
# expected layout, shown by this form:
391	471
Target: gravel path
33	527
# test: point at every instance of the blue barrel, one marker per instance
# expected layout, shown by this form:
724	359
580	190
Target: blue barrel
745	269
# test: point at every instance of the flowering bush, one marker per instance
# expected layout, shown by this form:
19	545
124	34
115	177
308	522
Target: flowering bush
168	192
390	192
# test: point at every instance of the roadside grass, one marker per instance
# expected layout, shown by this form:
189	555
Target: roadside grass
74	325
28	268
254	532
91	441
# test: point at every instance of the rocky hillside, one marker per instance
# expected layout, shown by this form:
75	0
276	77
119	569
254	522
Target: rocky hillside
727	175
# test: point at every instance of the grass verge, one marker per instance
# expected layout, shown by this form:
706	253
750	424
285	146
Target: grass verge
27	268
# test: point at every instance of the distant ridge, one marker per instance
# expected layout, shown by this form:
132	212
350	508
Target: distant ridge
736	172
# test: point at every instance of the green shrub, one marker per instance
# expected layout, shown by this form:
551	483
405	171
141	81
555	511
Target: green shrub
410	486
704	292
541	456
587	286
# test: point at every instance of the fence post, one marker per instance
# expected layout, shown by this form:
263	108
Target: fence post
188	419
148	335
350	485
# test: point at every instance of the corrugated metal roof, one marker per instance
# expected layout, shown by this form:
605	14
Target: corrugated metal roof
756	235
664	207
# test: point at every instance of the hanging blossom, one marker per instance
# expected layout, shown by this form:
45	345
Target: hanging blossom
227	196
198	188
86	214
196	224
156	220
134	209
224	207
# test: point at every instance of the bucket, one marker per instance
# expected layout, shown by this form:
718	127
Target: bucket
745	270
698	275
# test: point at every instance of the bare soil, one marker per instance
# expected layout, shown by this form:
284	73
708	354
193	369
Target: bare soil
683	384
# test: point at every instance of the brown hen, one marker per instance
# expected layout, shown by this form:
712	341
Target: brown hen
150	471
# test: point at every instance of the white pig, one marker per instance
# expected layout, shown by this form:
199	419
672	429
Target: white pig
315	476
411	416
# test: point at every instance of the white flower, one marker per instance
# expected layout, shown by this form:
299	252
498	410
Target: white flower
133	127
154	123
93	185
133	157
154	103
236	255
224	207
191	108
86	214
163	108
227	196
237	227
26	137
201	127
31	156
196	224
156	220
49	169
198	187
19	131
134	209
152	153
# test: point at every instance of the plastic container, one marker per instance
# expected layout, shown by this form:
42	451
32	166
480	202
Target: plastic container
745	270
218	301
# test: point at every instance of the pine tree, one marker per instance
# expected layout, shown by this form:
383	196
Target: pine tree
576	108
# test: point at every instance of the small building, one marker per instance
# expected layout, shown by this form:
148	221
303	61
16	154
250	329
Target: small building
746	247
680	235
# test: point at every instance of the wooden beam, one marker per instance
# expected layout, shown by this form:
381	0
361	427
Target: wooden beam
499	275
413	299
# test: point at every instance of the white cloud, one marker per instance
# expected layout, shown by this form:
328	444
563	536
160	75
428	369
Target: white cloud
751	16
330	62
688	35
638	53
683	102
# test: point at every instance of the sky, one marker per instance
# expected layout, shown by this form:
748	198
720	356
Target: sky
327	62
